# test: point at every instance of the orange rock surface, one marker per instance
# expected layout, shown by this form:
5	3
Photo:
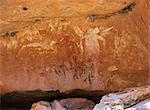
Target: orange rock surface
68	44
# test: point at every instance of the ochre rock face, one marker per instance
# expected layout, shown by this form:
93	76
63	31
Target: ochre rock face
68	44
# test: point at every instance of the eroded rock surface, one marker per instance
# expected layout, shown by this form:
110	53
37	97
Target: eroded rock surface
128	99
68	44
143	105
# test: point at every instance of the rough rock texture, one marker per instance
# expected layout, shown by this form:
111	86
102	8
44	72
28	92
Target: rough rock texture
68	44
126	99
143	105
64	104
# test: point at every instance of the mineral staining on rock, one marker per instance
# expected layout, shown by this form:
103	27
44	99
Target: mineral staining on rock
67	45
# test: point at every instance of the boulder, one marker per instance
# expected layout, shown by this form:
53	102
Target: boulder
129	99
64	104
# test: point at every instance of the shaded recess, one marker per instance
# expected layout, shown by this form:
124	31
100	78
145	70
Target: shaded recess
23	100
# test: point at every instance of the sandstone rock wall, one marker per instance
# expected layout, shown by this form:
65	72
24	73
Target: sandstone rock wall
67	44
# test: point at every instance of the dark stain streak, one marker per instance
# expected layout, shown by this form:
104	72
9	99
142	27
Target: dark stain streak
86	70
56	72
61	69
90	75
78	72
9	34
82	71
37	20
89	78
92	18
85	79
25	8
125	10
89	71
